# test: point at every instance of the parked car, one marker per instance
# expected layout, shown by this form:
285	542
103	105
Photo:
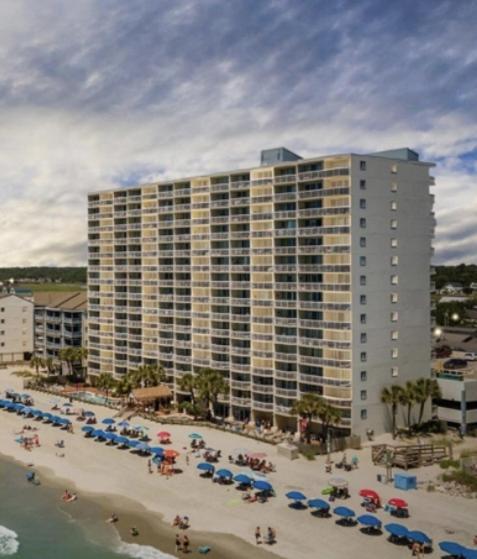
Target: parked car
471	356
455	364
443	351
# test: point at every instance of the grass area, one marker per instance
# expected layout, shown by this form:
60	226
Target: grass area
463	478
56	287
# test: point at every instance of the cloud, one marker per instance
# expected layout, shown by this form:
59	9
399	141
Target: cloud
95	95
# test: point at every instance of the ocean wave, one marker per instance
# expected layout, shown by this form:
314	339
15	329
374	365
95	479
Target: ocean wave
137	551
8	541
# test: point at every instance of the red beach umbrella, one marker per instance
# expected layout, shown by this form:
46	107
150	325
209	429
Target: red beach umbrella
163	435
171	453
399	503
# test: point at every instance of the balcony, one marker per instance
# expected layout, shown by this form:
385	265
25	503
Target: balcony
286	375
234	400
264	406
263	388
283	410
286	393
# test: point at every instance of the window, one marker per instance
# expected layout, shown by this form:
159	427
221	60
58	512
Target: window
394	223
2	309
24	320
364	414
2	333
394	371
362	165
395	335
364	376
394	243
362	280
394	298
2	321
394	169
362	242
394	353
394	316
363	337
394	187
362	260
394	279
363	356
362	299
362	318
394	260
364	395
362	184
2	344
362	203
362	222
393	205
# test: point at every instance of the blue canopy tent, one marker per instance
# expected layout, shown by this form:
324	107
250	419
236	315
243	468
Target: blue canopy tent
295	496
344	512
108	421
243	479
122	441
89	414
369	522
142	447
206	467
318	504
132	443
110	436
98	434
262	485
47	416
223	473
452	548
87	428
37	413
419	537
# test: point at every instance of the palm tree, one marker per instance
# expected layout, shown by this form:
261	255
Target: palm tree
147	375
187	384
308	407
49	364
123	386
36	361
426	388
105	382
67	354
209	384
392	397
408	399
329	416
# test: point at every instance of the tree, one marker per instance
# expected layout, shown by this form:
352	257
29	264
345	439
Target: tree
67	355
313	406
426	388
124	386
147	375
36	361
392	397
50	365
105	382
187	384
209	384
408	399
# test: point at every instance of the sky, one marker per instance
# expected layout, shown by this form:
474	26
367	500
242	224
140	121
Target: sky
96	94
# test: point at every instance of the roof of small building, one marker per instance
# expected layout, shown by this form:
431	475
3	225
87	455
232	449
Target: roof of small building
152	393
68	300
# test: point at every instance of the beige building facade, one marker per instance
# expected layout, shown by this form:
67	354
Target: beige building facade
16	328
298	276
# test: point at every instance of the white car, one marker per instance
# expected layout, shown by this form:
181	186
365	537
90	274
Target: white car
471	356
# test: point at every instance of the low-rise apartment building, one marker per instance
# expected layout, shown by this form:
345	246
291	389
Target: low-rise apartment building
16	327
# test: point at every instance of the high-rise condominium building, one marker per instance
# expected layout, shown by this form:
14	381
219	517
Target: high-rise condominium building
298	276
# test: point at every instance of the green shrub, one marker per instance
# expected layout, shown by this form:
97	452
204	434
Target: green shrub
308	454
462	478
449	463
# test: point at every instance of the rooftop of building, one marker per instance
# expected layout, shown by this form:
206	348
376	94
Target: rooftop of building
283	157
66	300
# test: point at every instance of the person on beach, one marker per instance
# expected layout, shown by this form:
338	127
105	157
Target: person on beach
185	544
178	543
113	518
149	466
187	459
258	535
134	531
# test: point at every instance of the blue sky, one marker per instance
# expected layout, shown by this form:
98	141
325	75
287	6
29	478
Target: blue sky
99	94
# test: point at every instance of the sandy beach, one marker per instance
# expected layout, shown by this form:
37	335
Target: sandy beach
217	514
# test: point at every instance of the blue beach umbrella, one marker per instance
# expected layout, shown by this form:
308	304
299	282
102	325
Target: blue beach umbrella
89	414
397	530
452	548
243	479
109	436
47	416
227	474
295	496
87	428
133	443
124	423
469	553
108	421
98	433
419	537
156	450
195	436
37	413
205	467
2	403
369	520
344	512
122	440
157	458
318	504
262	485
142	447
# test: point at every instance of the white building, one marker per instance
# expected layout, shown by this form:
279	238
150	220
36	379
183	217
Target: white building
297	276
16	328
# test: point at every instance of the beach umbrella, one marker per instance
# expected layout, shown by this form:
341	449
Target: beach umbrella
256	476
369	520
318	504
171	453
163	435
110	436
452	548
132	443
338	482
227	474
122	440
243	479
205	467
344	512
262	485
419	537
140	428
108	421
98	433
87	428
142	447
469	553
195	436
156	450
397	530
2	403
66	421
370	493
124	423
48	416
89	414
37	413
295	496
398	503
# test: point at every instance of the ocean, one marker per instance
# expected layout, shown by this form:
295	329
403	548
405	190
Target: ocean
36	524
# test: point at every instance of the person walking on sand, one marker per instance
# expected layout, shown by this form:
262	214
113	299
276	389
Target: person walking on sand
258	535
149	466
178	543
270	536
187	459
185	544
